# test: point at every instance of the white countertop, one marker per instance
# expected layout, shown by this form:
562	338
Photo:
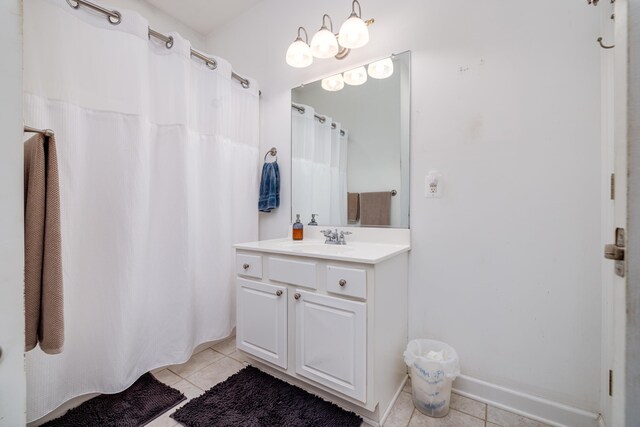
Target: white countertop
353	251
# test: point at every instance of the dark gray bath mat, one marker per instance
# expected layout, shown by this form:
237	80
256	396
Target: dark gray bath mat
252	398
141	403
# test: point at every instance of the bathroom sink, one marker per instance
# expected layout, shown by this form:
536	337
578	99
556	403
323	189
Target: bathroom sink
316	247
354	251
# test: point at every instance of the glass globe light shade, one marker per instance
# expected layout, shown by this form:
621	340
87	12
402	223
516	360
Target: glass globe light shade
355	77
353	33
381	69
324	44
299	54
333	83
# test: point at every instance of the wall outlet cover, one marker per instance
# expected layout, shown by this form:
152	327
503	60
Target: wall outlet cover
433	185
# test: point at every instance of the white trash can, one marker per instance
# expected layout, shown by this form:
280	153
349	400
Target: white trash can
434	365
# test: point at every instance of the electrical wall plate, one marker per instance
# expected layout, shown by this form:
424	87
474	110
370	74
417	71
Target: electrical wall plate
433	185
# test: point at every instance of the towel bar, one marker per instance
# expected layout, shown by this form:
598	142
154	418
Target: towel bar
45	132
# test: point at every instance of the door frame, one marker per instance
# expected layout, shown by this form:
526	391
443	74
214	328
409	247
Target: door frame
632	351
607	120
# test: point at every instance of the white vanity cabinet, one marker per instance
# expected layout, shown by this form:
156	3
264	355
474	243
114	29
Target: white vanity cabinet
332	323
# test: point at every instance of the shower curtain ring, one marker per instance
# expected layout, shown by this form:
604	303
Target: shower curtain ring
115	18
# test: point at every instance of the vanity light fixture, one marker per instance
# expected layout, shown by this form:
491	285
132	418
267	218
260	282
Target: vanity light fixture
354	32
381	69
355	77
299	53
324	43
333	83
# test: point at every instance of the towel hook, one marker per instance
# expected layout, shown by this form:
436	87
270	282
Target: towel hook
273	152
604	46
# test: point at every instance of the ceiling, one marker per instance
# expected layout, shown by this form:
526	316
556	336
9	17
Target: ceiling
204	16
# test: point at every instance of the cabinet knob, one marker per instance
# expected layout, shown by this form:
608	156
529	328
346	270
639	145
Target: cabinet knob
278	292
245	266
297	296
342	283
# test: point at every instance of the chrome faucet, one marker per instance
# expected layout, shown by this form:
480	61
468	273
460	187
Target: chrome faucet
341	239
333	238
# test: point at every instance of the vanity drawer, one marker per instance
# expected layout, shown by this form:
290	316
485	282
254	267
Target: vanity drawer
249	265
347	281
299	273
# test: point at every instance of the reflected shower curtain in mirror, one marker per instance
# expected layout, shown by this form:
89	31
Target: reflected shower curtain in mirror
158	161
319	163
339	175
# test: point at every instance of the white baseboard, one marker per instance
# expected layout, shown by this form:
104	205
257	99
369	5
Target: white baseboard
545	411
384	416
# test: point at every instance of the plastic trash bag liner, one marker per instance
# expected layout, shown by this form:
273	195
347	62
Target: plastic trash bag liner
434	365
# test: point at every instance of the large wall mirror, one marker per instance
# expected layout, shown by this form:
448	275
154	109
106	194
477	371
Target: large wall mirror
350	146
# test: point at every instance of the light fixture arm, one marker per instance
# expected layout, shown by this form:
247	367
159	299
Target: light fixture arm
342	53
324	26
353	9
306	36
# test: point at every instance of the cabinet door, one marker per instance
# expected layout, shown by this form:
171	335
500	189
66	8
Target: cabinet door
261	328
331	342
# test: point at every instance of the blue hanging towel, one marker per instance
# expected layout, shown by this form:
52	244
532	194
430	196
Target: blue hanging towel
269	187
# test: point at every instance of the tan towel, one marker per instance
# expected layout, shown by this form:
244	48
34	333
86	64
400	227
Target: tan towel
353	207
43	297
375	208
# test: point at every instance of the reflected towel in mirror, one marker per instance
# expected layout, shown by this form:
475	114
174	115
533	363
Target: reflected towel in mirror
375	208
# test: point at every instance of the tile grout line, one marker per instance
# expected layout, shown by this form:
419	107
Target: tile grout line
210	364
208	348
411	417
199	388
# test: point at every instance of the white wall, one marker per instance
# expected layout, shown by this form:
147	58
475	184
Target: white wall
505	104
13	401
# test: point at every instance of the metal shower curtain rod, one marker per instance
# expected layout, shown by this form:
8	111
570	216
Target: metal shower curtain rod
321	119
114	17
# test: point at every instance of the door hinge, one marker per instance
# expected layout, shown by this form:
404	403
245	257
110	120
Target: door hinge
613	186
610	382
616	251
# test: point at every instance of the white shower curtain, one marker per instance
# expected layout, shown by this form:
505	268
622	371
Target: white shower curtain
159	177
319	162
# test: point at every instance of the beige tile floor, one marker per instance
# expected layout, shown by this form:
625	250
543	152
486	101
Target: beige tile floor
206	368
464	412
215	364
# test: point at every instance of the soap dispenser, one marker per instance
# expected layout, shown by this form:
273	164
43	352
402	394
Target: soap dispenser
297	228
313	219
